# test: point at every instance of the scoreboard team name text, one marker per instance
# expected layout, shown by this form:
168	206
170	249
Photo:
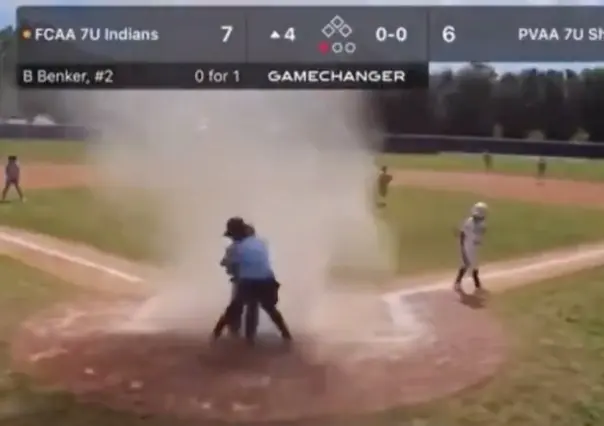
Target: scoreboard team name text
548	34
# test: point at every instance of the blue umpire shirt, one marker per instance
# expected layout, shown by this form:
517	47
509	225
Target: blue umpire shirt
250	258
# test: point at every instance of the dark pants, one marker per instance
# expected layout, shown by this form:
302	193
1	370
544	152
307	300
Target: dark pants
250	296
262	294
233	314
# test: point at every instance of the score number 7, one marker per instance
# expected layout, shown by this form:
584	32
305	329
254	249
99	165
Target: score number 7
228	30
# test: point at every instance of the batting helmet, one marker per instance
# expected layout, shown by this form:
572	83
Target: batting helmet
480	209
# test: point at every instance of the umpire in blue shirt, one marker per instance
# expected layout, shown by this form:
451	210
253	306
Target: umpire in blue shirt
256	282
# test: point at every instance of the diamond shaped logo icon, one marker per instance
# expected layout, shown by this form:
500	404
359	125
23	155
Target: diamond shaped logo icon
337	22
345	30
328	31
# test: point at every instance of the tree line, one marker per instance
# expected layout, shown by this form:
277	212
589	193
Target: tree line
473	101
477	101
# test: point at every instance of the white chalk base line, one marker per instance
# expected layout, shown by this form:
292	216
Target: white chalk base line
21	242
401	313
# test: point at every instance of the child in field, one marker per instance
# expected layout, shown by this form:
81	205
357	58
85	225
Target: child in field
541	168
12	177
470	239
383	183
487	159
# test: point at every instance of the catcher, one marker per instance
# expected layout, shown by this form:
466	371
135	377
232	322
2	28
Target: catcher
233	318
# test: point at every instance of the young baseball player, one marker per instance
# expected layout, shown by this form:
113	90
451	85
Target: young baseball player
383	183
470	238
12	177
233	320
541	168
487	159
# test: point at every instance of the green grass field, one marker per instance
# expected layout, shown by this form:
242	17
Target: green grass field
590	170
423	221
77	214
555	375
60	152
426	221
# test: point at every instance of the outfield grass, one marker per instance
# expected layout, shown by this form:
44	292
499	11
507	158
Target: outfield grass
426	221
590	170
60	152
77	214
423	222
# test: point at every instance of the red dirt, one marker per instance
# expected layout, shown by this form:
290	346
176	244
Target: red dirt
590	194
188	378
55	176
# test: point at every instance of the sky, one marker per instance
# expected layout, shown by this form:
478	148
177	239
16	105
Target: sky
8	8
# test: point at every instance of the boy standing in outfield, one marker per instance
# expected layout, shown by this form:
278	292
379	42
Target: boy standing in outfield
541	168
12	177
383	183
470	238
487	159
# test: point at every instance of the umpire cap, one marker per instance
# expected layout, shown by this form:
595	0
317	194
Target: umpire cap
236	227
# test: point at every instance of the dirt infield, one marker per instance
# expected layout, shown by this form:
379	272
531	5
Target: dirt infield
493	185
56	176
189	378
459	344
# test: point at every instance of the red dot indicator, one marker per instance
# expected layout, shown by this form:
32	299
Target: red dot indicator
324	47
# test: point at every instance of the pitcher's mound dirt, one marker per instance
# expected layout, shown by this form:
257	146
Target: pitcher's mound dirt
190	378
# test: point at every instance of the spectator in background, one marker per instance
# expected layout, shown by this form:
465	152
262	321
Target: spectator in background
12	177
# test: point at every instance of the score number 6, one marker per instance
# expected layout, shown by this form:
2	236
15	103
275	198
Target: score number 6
449	34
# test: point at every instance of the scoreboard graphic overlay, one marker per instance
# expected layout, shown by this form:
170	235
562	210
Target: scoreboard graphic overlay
332	47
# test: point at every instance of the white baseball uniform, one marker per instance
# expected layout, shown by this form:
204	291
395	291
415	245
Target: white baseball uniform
473	231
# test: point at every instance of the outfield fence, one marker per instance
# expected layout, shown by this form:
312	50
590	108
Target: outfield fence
44	132
436	144
411	144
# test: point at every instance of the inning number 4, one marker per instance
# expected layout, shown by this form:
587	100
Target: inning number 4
228	30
